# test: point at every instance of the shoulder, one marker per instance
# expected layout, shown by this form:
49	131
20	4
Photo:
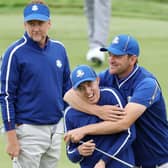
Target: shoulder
109	90
144	77
104	73
148	82
144	73
59	48
57	43
71	113
112	96
12	48
67	110
148	87
146	92
106	79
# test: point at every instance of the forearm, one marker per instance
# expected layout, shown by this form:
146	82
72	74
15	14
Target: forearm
78	103
133	112
11	135
13	147
103	128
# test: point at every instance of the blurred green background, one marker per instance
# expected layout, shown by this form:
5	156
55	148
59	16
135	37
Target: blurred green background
146	20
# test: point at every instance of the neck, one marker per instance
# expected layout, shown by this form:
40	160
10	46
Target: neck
126	73
43	42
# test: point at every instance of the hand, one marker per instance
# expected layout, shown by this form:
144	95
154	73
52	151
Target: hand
110	113
100	164
13	147
74	135
86	148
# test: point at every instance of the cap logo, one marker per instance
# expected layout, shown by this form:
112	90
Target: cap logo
34	8
116	40
79	73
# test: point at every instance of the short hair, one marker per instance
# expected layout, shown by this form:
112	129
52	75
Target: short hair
38	2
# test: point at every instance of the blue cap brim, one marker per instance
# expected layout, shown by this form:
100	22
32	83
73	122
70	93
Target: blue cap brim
36	17
83	80
113	51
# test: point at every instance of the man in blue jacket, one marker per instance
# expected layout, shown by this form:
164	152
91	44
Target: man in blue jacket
86	84
145	104
34	77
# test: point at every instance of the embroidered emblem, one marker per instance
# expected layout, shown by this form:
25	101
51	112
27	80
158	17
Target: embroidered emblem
116	40
34	8
58	63
79	73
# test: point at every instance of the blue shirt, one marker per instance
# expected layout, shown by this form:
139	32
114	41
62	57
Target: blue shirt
119	145
151	145
33	82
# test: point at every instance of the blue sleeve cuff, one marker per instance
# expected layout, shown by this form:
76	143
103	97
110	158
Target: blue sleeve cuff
106	159
74	155
9	125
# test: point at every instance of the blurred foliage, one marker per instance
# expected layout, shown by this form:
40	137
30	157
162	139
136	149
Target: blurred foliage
151	9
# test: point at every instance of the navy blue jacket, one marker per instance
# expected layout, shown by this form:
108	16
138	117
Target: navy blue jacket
119	145
33	82
151	144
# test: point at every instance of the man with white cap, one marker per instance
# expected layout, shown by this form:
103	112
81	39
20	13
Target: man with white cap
145	104
35	75
85	83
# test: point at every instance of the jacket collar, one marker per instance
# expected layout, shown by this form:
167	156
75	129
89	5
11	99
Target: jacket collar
122	81
35	44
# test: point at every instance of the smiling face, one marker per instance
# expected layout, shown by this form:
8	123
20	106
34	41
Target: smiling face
89	91
38	30
121	65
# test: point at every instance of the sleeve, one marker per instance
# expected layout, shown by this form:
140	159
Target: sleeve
73	154
9	84
67	82
146	92
124	139
102	75
71	148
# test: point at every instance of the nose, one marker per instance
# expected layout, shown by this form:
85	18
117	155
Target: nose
111	57
35	27
88	90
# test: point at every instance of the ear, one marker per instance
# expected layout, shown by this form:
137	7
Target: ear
98	80
49	23
133	59
25	25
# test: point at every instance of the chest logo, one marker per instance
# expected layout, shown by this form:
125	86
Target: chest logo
58	63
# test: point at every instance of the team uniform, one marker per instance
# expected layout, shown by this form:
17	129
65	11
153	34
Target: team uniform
151	144
34	81
119	145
